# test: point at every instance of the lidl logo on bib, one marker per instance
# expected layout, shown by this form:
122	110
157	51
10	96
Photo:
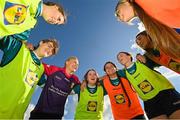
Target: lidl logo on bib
92	106
119	99
145	86
14	13
31	78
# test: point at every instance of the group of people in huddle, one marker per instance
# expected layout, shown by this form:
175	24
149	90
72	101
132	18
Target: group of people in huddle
21	68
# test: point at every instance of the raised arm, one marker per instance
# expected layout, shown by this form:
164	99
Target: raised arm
49	69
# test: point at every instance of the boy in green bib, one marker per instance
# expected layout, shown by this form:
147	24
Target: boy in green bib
161	100
20	72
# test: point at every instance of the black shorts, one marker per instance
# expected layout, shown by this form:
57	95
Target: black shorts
165	103
139	117
42	115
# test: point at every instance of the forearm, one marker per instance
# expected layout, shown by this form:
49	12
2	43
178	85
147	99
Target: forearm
150	63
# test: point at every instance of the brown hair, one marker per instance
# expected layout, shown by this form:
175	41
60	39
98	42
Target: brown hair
55	44
126	53
109	62
163	37
86	75
142	33
60	8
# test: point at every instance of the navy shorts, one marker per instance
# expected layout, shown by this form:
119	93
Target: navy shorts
165	103
139	117
42	115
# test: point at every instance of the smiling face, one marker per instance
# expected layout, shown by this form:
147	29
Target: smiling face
124	12
52	15
124	59
110	69
92	77
72	65
45	49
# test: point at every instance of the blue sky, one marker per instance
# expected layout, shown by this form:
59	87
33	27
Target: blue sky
91	33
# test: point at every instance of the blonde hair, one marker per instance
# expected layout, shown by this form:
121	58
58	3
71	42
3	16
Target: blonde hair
163	37
71	58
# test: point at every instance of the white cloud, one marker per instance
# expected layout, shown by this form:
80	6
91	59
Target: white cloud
134	46
136	49
107	115
70	107
140	27
167	72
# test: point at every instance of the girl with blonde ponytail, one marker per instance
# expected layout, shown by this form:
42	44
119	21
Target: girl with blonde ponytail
164	37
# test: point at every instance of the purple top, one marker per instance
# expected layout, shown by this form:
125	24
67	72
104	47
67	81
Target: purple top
56	90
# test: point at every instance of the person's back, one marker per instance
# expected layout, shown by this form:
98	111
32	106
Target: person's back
169	42
162	9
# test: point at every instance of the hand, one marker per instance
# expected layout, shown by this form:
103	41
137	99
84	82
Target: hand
83	85
29	46
102	77
141	58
